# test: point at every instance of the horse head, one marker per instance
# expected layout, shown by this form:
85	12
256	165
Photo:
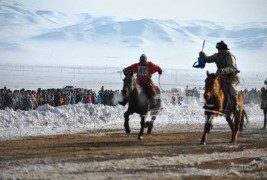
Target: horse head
128	84
212	85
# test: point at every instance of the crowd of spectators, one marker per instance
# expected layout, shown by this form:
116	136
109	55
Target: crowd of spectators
251	96
31	99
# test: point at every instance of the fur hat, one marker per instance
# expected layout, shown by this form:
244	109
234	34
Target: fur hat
222	45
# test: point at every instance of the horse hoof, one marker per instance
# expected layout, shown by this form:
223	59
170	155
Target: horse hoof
232	141
202	143
128	131
140	138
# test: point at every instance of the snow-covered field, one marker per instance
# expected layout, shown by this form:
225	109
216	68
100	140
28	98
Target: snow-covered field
47	120
42	48
47	49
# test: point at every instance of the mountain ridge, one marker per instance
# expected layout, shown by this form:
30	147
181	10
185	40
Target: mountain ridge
31	35
51	25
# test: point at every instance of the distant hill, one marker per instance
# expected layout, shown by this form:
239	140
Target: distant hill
30	29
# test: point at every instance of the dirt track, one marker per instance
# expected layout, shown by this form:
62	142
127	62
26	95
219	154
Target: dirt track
170	153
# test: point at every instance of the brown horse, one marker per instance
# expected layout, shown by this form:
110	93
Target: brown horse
138	102
218	102
264	105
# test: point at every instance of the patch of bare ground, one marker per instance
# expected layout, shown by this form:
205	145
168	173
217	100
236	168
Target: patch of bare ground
172	152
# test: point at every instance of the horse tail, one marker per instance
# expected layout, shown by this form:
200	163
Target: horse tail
243	117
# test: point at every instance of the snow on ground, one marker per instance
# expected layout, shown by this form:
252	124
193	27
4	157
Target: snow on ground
47	120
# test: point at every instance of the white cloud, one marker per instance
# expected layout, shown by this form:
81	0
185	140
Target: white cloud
237	11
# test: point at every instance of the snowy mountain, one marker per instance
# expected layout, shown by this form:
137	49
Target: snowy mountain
38	34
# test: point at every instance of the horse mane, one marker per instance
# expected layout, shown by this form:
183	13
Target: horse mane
215	93
213	81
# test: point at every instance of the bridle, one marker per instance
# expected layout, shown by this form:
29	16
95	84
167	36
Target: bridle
128	84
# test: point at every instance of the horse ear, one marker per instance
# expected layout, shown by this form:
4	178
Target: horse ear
208	73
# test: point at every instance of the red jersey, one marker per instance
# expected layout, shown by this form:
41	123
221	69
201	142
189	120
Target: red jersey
144	71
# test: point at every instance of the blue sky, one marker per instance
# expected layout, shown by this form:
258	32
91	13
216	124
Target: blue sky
227	11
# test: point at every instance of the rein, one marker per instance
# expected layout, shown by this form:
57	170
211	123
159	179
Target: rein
160	85
121	75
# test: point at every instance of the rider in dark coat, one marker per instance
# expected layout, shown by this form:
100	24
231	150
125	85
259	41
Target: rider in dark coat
226	64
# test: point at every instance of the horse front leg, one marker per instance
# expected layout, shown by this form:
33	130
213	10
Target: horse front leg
205	134
140	135
126	122
208	126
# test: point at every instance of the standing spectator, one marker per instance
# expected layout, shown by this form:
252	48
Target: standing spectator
94	98
78	97
89	98
99	98
61	100
1	100
57	98
73	97
67	98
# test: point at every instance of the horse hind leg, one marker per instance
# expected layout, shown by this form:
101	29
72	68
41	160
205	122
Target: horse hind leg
140	135
236	126
237	123
243	124
231	125
153	114
149	124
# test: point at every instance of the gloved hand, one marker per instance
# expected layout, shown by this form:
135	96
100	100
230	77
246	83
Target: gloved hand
202	54
160	72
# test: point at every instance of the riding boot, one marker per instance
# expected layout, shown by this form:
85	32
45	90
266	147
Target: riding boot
123	102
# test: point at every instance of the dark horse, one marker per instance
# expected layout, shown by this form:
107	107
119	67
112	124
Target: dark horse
138	102
218	102
264	105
